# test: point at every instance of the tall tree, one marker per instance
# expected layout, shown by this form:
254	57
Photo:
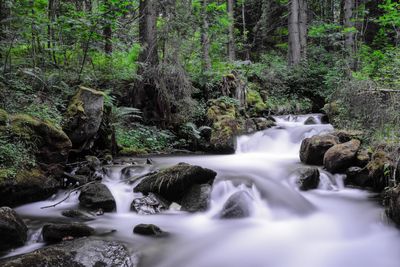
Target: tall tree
297	31
205	40
107	29
148	32
231	31
349	25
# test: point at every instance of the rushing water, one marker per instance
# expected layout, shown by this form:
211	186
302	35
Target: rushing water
331	226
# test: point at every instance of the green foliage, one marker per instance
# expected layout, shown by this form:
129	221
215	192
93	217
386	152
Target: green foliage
144	138
46	113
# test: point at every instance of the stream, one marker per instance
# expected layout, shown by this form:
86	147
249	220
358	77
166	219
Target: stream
331	226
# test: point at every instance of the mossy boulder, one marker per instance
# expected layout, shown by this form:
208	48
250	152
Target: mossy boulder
84	116
226	123
174	182
3	117
51	142
379	170
392	204
27	186
255	103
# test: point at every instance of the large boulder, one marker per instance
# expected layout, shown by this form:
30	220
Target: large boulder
308	179
172	183
341	156
380	169
95	196
83	252
197	198
392	204
239	205
53	233
226	124
13	231
313	149
357	176
27	186
150	204
84	116
51	142
264	123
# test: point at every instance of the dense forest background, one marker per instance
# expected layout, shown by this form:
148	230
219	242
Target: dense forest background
163	65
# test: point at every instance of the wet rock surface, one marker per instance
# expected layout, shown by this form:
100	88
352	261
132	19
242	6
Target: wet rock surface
341	156
313	149
239	205
174	182
83	252
13	231
97	196
149	230
197	198
308	179
150	204
53	233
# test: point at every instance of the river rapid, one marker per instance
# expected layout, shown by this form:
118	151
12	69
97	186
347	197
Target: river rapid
331	226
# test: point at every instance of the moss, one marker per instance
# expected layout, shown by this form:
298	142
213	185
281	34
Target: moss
29	177
255	101
3	117
129	151
6	173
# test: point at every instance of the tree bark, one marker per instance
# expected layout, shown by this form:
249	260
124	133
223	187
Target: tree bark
205	41
349	41
231	32
107	30
148	32
294	34
303	28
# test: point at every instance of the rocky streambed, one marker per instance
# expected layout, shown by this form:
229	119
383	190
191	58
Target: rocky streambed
265	205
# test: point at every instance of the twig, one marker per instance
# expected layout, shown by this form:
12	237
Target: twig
68	195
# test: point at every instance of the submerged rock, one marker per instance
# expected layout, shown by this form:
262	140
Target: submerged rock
197	198
239	205
149	230
77	215
97	196
313	149
308	179
341	156
150	204
53	233
83	252
174	182
310	121
13	231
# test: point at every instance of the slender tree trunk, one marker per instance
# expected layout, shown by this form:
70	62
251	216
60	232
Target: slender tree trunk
294	34
303	27
231	31
148	32
245	39
4	13
107	30
205	41
349	42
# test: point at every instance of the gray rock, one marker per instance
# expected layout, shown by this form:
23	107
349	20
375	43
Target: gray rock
83	252
392	204
53	233
239	205
150	204
341	156
313	149
13	231
197	198
172	183
77	215
149	230
308	179
310	121
84	116
97	196
357	176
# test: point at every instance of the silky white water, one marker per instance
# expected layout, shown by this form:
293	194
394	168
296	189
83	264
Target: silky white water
331	226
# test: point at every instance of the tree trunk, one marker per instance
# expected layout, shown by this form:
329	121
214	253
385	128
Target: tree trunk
303	28
107	30
231	32
349	42
205	41
294	34
148	32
